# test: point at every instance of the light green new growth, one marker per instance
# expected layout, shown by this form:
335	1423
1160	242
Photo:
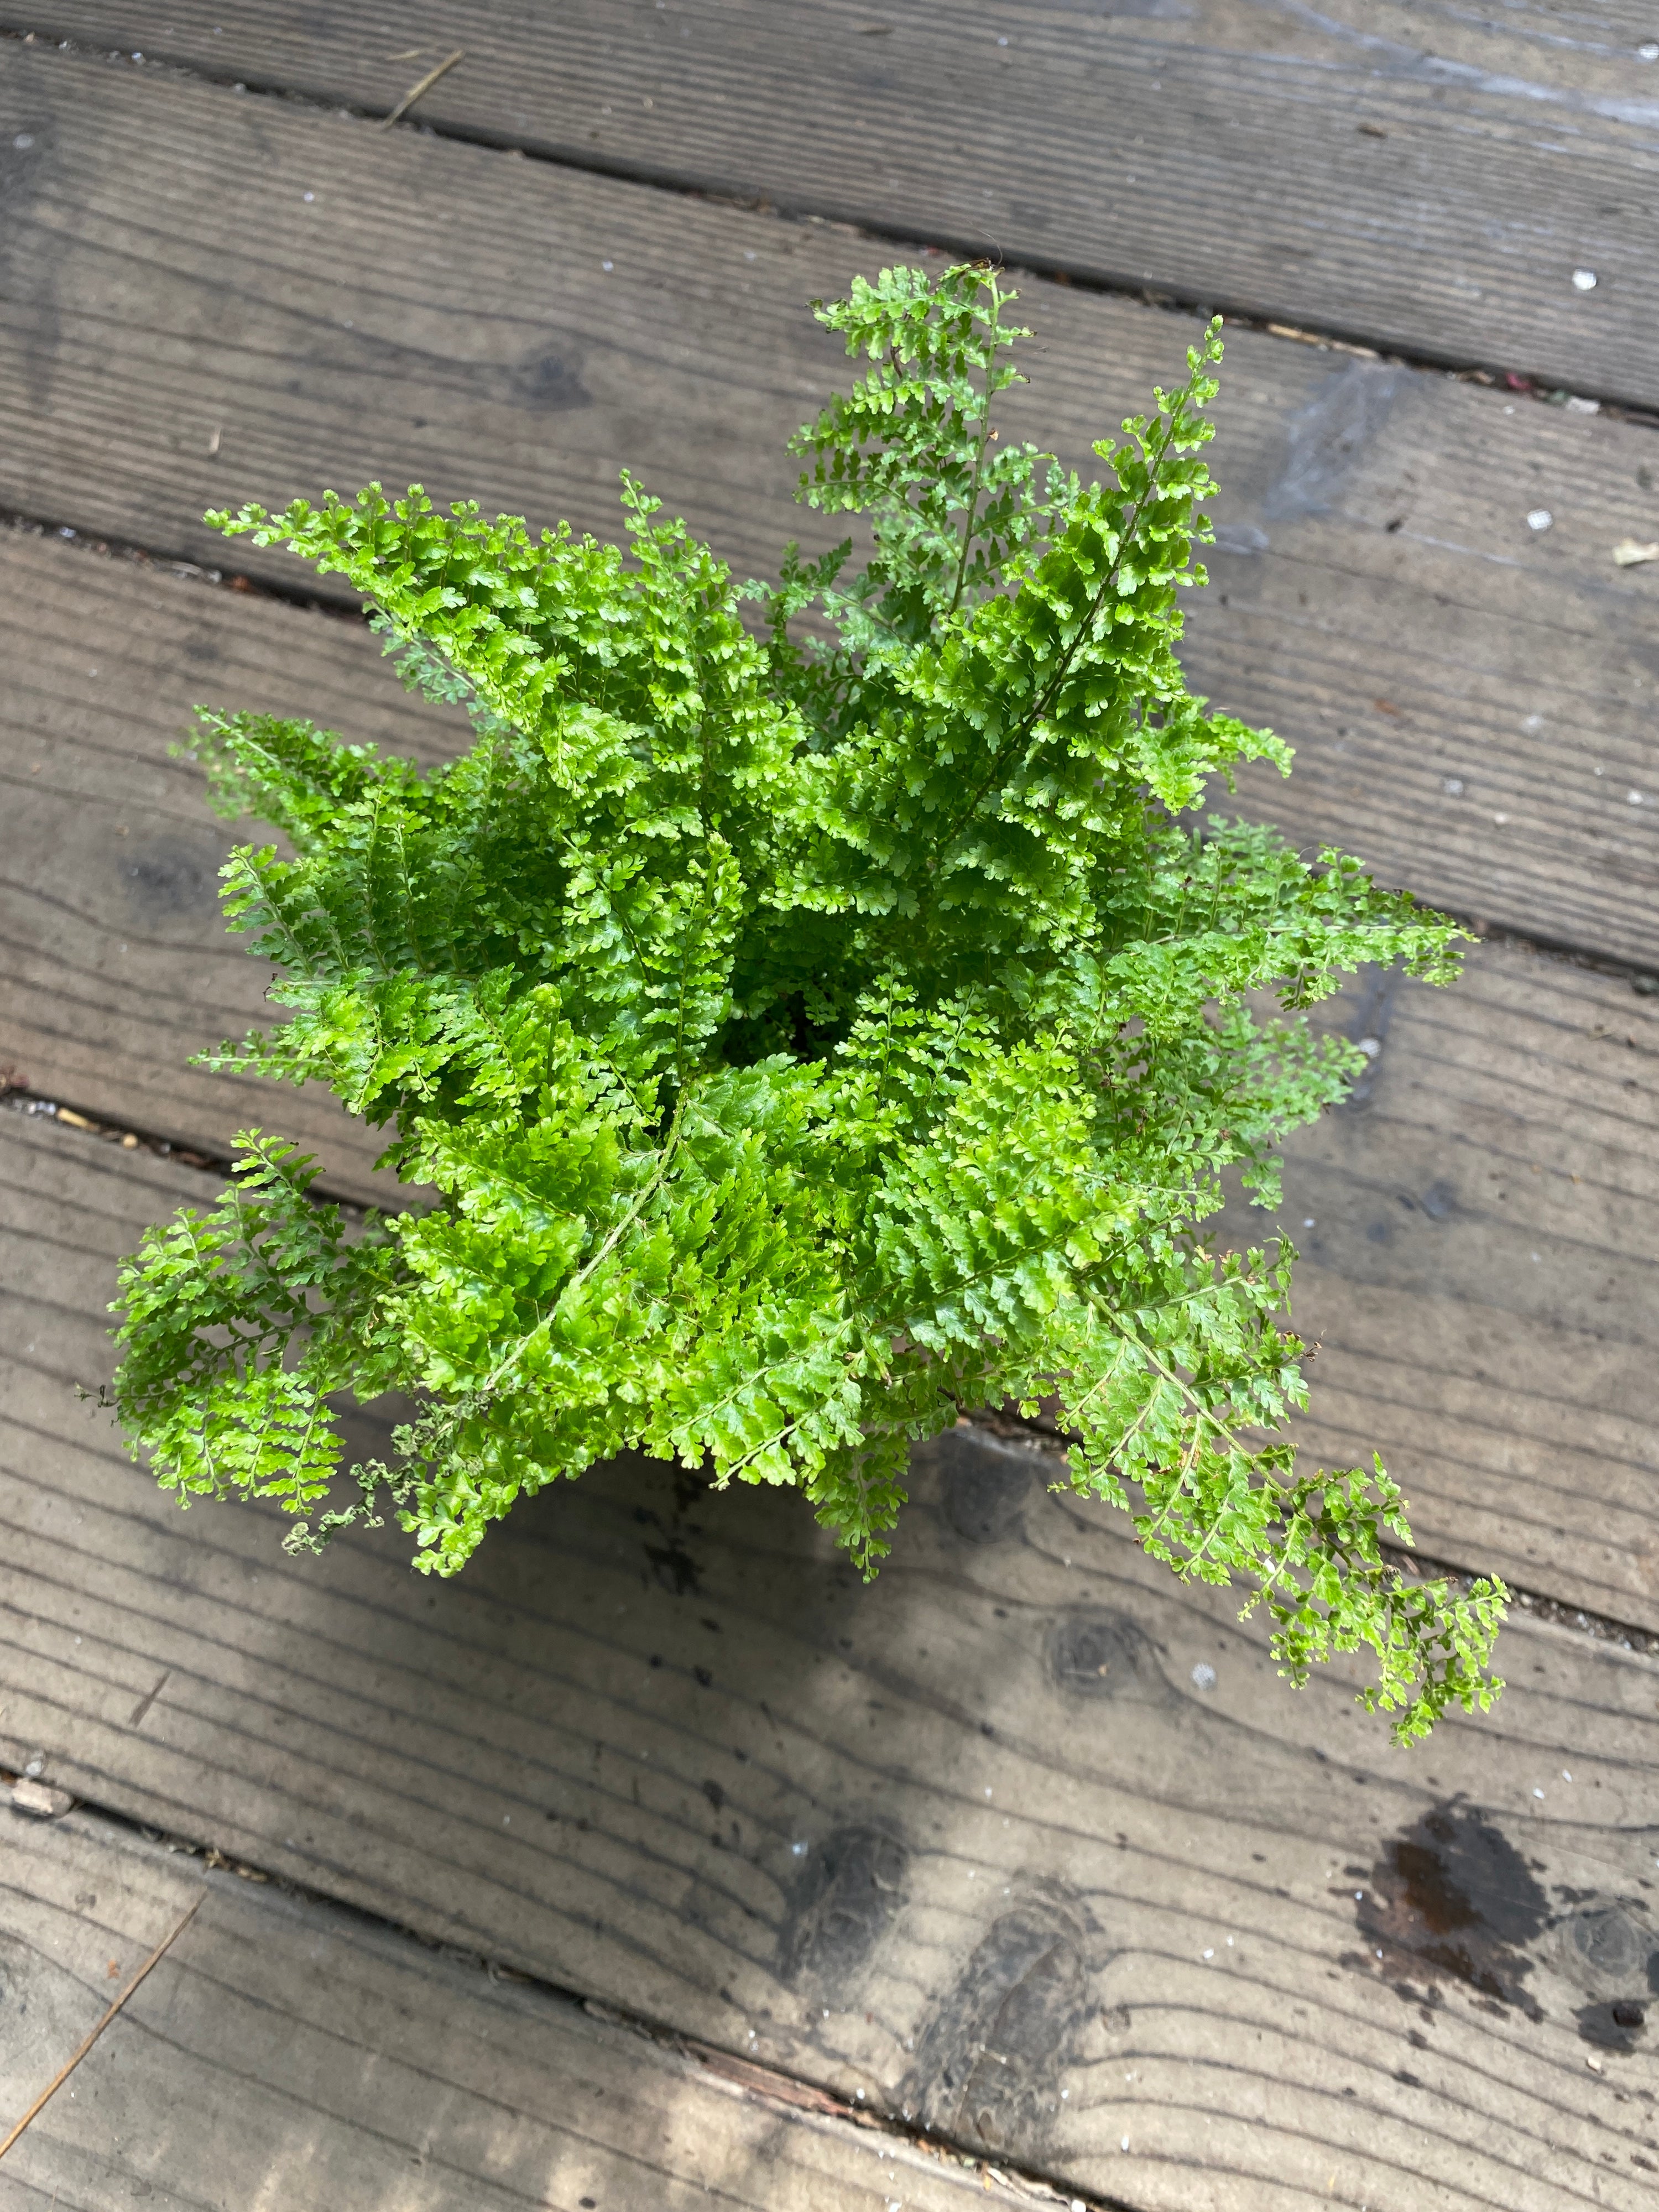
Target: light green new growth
807	1042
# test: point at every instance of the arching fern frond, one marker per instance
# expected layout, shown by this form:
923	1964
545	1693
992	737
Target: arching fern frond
799	1037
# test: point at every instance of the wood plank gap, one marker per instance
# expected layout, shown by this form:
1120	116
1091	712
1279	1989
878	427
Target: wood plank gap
1487	764
1577	1621
160	559
785	2093
213	1164
1173	300
705	154
330	2053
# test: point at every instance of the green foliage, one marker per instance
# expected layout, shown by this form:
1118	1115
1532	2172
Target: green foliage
811	1027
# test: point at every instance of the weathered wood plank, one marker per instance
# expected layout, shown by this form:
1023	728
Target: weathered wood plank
1484	1274
285	2053
1478	1228
118	967
1426	179
1472	703
442	312
665	1747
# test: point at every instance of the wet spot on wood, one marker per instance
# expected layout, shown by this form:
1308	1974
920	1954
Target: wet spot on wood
849	1890
1621	2026
989	2065
170	876
549	385
984	1483
673	1568
1606	1951
1246	537
1329	436
1453	1893
1440	1200
1379	989
1096	1653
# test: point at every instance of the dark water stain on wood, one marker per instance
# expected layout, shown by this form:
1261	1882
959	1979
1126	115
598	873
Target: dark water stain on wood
1095	1652
990	2063
1606	1949
1329	436
548	383
1619	2026
983	1483
673	1567
671	1564
1453	1893
849	1891
171	875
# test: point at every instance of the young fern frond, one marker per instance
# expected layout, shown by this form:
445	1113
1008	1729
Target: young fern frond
808	1035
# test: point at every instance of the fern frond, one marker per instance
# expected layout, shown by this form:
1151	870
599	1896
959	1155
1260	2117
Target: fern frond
799	1037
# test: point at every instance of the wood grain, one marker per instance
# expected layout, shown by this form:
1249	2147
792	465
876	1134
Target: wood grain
665	1747
293	2054
1478	1228
1472	701
1423	176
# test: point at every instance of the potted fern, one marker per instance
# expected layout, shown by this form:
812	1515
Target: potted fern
812	1026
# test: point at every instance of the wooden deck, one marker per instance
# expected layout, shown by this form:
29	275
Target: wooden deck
658	1863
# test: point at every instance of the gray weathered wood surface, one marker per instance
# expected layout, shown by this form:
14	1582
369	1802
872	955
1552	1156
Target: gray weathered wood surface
286	2053
1423	176
1471	700
973	1839
976	1842
1478	1228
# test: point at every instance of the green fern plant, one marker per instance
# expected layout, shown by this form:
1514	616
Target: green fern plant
811	1027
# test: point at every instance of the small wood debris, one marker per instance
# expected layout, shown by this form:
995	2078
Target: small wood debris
1629	552
424	86
39	1800
65	2070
